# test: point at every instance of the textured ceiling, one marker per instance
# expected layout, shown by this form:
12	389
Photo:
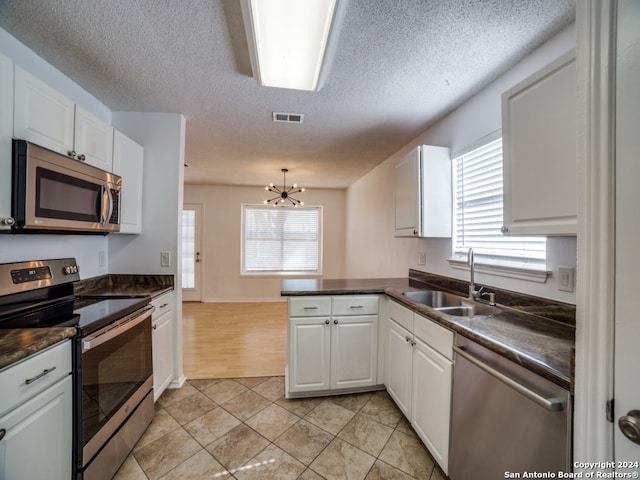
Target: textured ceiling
399	66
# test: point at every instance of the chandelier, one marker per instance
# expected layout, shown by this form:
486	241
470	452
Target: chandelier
284	193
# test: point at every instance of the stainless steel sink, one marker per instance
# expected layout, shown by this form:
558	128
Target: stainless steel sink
450	304
435	298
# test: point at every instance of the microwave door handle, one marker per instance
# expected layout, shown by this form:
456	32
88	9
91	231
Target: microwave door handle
105	202
110	201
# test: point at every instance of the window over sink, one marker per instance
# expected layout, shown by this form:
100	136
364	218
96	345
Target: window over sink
281	240
478	217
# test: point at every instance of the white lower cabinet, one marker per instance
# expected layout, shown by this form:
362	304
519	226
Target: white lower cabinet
431	400
332	352
36	417
399	360
309	354
162	340
419	377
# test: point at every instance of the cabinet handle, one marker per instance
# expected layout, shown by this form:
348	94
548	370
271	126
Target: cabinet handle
407	338
163	305
82	157
504	230
310	308
154	326
326	322
47	371
413	343
356	306
72	153
2	433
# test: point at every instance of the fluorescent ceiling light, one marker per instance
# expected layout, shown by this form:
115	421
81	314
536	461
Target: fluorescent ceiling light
291	41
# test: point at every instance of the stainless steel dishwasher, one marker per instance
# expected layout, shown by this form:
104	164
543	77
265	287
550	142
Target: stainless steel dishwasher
504	418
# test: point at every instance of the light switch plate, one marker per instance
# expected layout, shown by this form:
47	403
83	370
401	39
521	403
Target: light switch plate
565	279
165	259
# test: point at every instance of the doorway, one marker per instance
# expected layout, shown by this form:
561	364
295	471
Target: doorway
191	257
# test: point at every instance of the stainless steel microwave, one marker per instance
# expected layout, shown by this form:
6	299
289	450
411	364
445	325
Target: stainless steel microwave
51	192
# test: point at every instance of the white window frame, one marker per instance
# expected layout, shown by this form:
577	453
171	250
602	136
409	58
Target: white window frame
245	270
485	261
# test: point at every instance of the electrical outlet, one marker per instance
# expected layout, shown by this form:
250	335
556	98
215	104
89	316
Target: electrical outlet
565	279
165	259
102	258
422	258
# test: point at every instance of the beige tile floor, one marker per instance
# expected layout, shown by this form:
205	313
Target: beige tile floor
245	429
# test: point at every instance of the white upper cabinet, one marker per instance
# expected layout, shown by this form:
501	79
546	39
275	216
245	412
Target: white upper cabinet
93	140
44	116
128	160
422	193
539	151
6	132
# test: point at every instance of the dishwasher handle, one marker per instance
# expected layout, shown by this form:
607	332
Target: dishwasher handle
551	404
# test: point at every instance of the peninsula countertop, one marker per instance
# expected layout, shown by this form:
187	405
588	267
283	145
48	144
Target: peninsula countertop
540	344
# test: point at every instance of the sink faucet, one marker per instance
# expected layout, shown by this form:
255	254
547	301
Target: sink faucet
473	293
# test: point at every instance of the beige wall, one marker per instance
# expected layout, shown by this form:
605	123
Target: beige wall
221	240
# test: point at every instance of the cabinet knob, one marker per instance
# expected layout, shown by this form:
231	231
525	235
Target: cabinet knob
8	221
335	322
154	326
415	232
407	339
82	157
326	322
504	230
72	153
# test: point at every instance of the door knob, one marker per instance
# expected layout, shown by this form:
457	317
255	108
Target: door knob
630	425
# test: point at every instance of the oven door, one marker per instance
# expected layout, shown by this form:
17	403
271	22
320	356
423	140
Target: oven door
117	373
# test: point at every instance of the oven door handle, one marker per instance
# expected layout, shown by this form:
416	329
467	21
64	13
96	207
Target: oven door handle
116	329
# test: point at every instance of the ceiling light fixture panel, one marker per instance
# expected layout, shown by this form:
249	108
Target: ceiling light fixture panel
291	42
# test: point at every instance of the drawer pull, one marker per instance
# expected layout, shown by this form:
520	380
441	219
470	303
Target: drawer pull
164	305
47	371
356	306
310	308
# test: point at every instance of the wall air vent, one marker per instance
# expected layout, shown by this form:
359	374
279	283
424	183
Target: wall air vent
288	117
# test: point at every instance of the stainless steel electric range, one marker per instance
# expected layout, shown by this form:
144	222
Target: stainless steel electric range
112	364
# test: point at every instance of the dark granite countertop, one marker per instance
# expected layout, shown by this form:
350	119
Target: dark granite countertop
124	285
541	344
20	343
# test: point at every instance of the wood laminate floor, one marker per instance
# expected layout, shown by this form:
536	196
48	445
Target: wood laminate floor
234	340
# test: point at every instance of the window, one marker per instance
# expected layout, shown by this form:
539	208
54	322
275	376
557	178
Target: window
282	240
478	214
188	249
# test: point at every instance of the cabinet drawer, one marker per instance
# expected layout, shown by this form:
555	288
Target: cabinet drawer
309	306
355	305
56	361
437	337
163	303
402	315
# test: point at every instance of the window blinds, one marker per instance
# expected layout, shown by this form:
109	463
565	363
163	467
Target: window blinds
478	213
282	240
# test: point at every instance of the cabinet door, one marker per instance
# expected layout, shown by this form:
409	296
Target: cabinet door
431	401
41	114
406	197
37	441
162	353
399	366
128	159
93	140
354	345
309	354
539	152
6	132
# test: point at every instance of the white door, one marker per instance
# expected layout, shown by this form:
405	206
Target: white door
191	256
627	318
